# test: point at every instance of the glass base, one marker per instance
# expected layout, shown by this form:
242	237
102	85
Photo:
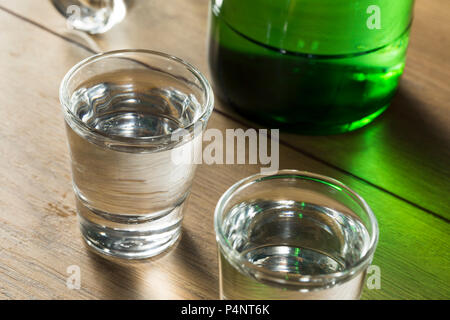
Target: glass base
307	128
132	239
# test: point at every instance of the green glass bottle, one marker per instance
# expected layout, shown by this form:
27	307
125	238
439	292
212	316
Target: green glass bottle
309	66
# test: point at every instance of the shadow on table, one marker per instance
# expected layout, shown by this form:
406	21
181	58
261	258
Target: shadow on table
412	121
160	277
411	137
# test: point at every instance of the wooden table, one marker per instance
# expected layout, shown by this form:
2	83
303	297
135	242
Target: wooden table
399	164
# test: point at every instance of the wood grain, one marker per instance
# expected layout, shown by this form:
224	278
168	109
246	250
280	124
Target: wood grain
406	152
39	235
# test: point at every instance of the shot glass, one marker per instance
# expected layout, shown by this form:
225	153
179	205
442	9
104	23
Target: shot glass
293	235
92	16
122	110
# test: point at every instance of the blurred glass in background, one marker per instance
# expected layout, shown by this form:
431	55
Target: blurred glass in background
92	16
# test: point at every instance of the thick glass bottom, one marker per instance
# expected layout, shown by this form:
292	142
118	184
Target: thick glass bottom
133	239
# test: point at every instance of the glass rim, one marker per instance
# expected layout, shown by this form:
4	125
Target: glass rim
64	97
330	278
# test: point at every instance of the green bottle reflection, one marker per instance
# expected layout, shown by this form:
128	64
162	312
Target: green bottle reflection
309	66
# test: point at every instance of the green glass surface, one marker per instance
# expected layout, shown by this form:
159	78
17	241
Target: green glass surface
310	66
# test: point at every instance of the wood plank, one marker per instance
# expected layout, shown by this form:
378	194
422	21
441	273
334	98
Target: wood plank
38	228
406	151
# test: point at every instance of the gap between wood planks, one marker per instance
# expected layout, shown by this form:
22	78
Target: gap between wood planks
243	123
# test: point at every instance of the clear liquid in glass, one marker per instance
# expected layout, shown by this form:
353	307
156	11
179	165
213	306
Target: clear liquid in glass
130	187
290	238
